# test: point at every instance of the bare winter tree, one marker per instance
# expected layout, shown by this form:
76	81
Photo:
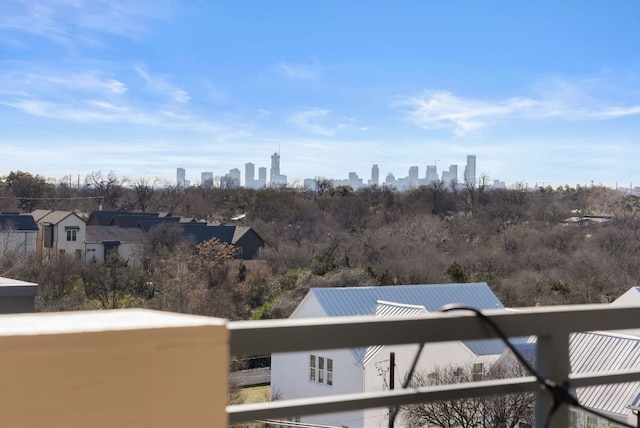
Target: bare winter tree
508	411
108	189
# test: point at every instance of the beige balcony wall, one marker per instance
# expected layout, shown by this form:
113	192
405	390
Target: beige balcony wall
125	368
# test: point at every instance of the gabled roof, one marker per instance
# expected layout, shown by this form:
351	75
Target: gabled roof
630	297
350	301
133	219
599	351
39	213
55	217
104	218
355	301
13	221
241	231
149	223
98	234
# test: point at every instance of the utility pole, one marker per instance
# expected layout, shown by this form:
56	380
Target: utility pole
392	381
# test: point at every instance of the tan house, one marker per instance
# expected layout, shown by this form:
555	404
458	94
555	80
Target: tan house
59	233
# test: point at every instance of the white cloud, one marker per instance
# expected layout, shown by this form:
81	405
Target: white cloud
70	21
160	84
444	110
92	96
306	119
298	71
28	80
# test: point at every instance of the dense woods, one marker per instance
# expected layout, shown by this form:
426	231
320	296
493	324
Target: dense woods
514	239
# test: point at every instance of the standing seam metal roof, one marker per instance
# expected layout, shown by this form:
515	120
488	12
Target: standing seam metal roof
355	301
592	352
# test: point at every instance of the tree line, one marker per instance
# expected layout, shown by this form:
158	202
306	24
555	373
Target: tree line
514	239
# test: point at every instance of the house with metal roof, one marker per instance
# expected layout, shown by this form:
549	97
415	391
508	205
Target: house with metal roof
593	352
344	371
18	234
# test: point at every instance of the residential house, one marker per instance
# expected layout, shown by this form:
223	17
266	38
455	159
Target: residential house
343	371
105	230
593	352
102	240
59	233
18	234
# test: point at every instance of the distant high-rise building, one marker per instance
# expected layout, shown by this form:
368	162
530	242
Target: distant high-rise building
249	175
375	175
275	169
206	180
355	182
432	174
450	178
231	180
262	177
180	177
390	180
470	170
412	179
277	179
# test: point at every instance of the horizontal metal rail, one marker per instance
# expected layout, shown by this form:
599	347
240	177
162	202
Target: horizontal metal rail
345	402
291	335
261	337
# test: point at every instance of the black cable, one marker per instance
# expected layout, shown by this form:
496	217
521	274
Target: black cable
560	393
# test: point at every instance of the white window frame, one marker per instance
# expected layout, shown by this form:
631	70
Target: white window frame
72	235
320	370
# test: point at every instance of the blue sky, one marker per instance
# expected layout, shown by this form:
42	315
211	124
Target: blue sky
539	91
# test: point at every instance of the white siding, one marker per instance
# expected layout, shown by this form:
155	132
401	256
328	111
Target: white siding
290	375
20	242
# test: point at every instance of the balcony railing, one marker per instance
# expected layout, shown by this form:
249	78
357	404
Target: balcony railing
551	325
146	368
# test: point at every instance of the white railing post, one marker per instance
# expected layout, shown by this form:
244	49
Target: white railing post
552	360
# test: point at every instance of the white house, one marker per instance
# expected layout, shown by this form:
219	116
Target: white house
18	233
100	240
60	233
342	371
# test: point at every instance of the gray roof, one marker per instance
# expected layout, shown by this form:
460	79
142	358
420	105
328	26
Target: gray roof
350	301
353	301
17	222
597	351
605	352
97	234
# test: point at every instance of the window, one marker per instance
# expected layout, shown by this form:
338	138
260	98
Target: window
320	369
478	371
592	421
78	254
312	368
72	235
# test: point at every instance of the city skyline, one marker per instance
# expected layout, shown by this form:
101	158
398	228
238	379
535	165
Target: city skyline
276	179
542	92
